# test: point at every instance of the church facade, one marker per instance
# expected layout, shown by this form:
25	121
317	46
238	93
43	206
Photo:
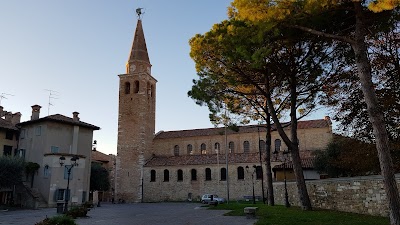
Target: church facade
182	165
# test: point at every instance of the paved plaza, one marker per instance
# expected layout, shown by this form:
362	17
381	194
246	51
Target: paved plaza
134	214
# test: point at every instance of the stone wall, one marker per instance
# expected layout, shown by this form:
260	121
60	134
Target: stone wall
365	195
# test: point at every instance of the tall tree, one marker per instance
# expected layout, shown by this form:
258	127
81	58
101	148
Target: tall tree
305	15
99	178
246	67
11	170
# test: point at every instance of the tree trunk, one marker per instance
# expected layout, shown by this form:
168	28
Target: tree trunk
301	186
270	187
376	117
294	149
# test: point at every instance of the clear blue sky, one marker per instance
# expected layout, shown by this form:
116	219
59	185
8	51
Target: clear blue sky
78	48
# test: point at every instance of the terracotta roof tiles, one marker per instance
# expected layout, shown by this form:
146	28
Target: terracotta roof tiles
242	129
4	124
62	119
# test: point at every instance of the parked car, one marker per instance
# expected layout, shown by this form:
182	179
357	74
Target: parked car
206	198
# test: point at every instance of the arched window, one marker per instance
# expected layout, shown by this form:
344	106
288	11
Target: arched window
246	147
127	88
217	148
277	145
259	173
166	175
148	89
152	176
240	173
176	150
208	174
180	175
231	147
136	90
223	174
193	172
203	149
189	149
46	171
262	146
152	90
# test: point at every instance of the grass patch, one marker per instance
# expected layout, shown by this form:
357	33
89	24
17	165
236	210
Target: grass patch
279	215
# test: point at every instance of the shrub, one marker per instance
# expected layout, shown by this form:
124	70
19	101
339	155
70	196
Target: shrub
57	220
79	211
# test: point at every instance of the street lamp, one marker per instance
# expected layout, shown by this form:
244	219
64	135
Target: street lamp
252	180
74	162
285	153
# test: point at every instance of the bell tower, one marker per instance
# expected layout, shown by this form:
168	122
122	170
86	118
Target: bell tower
136	119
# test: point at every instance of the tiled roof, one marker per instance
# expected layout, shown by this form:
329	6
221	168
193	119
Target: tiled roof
99	156
307	163
242	129
4	124
202	159
62	119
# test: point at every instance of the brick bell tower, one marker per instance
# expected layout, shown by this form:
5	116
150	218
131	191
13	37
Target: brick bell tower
136	119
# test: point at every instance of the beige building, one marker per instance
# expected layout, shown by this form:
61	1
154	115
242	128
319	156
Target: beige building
181	165
44	141
9	145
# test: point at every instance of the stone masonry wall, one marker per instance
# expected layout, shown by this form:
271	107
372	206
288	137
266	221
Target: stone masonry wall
364	195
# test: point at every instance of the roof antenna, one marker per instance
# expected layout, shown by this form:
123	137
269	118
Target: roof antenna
3	96
51	96
139	12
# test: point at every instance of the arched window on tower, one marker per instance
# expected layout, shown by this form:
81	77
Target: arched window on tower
166	175
231	147
127	88
152	176
152	90
189	149
208	174
203	149
136	90
148	89
240	173
194	174
176	150
246	147
180	175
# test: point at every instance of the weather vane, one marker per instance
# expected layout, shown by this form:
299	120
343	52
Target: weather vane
139	12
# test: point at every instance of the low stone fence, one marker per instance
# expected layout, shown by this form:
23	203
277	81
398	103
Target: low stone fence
364	195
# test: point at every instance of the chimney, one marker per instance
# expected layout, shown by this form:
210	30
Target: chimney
328	119
35	112
16	118
1	111
8	116
75	116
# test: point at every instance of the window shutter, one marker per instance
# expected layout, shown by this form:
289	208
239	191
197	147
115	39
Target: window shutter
55	195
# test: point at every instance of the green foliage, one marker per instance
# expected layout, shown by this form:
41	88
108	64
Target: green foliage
279	215
347	157
31	167
99	178
11	170
57	220
78	211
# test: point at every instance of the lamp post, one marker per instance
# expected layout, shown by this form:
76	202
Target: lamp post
74	162
252	180
285	153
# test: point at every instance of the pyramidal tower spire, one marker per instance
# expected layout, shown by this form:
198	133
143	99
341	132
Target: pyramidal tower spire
138	56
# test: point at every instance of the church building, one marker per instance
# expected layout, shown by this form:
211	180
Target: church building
183	165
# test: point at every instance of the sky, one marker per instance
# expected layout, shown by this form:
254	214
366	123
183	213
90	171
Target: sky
73	51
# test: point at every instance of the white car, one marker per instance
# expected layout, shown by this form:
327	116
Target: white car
207	198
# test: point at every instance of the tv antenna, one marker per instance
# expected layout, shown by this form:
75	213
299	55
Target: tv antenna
52	95
139	12
3	96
